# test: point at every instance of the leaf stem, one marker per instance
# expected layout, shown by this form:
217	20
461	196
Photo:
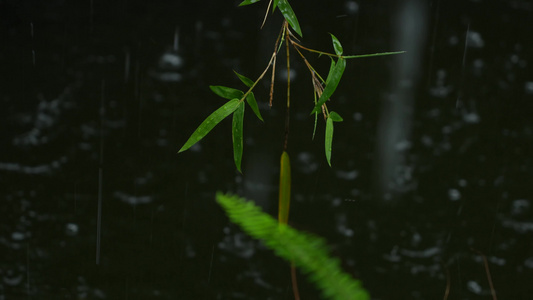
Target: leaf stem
317	85
260	77
286	25
345	56
266	14
276	49
315	51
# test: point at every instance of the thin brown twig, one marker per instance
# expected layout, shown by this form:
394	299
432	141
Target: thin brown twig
272	82
309	66
266	14
292	35
487	271
448	283
274	65
317	85
258	79
319	89
311	69
288	90
316	51
288	75
294	281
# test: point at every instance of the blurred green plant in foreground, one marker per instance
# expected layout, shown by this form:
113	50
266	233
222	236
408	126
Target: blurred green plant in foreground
309	253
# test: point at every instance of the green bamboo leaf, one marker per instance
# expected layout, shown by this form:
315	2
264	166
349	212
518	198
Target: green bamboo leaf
308	252
329	139
335	116
275	5
289	15
253	104
236	134
336	45
284	189
247	81
331	83
226	92
331	69
210	122
248	2
374	54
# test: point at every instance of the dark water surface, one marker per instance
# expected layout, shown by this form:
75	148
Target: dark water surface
432	166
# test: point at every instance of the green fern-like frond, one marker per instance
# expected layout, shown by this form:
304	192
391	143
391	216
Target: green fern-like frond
309	253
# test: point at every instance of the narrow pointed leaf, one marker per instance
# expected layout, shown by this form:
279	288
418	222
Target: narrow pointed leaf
247	81
336	45
253	104
329	139
284	189
331	83
275	5
289	15
331	69
236	134
210	122
248	2
226	92
374	54
335	117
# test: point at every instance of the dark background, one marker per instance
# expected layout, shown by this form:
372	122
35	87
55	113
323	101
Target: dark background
432	163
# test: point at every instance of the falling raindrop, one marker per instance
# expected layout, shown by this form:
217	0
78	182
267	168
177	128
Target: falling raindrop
28	269
127	62
32	50
211	264
100	175
176	38
91	16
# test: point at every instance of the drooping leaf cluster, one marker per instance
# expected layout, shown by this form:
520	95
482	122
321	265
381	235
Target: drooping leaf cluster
323	89
309	253
334	76
235	106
